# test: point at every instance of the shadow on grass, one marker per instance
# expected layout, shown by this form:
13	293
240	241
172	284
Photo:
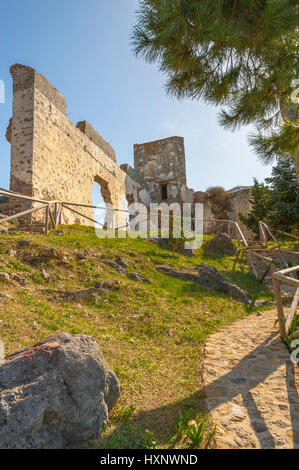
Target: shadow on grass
149	428
161	422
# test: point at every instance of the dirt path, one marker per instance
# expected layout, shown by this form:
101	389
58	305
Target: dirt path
252	387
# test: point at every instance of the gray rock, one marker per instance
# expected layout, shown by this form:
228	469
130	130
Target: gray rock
179	273
11	253
55	394
221	244
188	252
86	295
116	266
18	278
51	253
262	303
23	244
45	255
121	262
210	277
5	296
31	258
45	275
4	277
138	277
207	276
80	295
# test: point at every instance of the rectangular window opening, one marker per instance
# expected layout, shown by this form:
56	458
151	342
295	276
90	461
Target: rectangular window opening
164	191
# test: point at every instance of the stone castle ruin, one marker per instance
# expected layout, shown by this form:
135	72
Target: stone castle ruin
53	159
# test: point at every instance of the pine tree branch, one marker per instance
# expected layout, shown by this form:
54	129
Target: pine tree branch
233	11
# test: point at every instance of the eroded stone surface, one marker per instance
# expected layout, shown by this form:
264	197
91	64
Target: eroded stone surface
207	276
221	244
55	394
52	159
252	386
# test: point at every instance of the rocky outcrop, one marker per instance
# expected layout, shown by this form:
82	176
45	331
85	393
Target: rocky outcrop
207	276
138	277
55	394
221	244
210	277
119	265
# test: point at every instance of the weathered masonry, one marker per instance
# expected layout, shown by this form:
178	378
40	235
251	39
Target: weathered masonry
53	159
161	164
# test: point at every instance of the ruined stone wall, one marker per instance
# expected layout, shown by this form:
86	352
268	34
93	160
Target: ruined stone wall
138	191
240	203
20	134
52	159
162	162
208	215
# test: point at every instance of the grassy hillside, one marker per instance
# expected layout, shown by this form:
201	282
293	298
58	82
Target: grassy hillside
152	335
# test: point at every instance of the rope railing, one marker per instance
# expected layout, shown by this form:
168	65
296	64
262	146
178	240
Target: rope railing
233	228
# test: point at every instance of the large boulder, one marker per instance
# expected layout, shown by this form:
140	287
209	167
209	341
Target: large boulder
210	277
221	244
206	276
55	394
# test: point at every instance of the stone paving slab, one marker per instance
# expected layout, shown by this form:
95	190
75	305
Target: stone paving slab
251	386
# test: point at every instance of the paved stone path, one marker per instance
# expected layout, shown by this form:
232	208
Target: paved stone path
251	385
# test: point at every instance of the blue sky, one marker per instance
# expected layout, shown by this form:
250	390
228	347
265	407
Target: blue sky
83	48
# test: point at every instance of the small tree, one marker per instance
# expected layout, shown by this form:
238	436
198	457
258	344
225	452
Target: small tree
260	205
276	202
219	201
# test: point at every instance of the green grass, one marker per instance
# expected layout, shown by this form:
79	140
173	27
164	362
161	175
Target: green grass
285	243
152	335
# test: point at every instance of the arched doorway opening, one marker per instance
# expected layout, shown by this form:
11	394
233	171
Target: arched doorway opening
128	201
101	198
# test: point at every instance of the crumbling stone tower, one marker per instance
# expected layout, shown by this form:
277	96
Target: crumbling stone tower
161	165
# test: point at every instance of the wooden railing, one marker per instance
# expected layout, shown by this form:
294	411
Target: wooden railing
44	206
285	321
53	217
266	235
254	254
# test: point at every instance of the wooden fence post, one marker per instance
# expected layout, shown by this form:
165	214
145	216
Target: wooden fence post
279	304
55	214
47	220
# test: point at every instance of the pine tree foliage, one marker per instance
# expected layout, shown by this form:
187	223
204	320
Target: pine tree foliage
238	54
277	201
